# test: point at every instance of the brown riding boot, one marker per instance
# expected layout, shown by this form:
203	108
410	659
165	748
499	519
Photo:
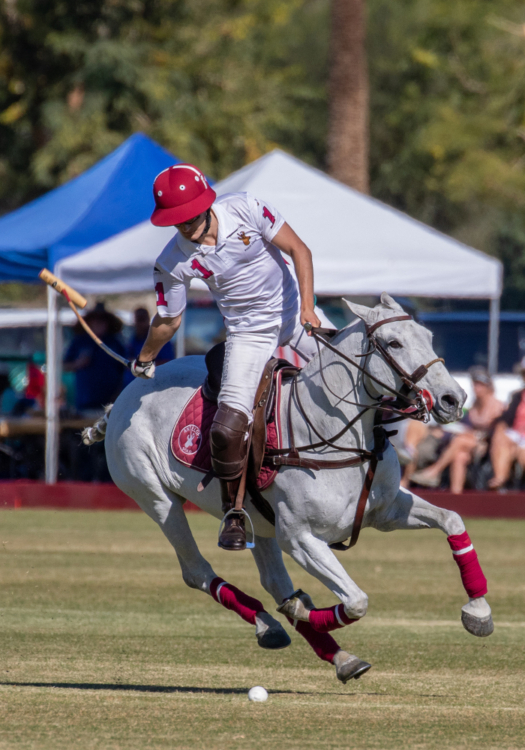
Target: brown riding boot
233	534
228	456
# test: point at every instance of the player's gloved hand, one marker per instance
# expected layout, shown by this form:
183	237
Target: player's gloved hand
144	370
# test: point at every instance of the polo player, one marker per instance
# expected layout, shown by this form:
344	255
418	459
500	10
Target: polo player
232	243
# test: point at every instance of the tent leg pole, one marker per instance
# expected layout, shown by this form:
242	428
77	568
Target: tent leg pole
52	426
180	341
493	336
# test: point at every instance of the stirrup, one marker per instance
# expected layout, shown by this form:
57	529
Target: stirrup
249	545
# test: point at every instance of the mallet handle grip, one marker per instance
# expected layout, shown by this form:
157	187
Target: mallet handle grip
60	287
74	298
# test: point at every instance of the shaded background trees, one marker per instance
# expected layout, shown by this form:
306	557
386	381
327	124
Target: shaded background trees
221	83
348	97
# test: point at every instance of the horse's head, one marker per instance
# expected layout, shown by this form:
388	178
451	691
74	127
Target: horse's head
409	345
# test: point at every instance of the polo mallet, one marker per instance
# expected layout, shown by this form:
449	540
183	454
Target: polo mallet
74	298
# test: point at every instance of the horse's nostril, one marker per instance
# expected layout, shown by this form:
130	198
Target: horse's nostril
450	401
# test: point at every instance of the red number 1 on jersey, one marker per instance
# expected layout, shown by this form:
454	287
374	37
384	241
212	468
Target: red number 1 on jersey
161	299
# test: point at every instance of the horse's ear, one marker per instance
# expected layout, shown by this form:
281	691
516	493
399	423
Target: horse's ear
390	302
361	311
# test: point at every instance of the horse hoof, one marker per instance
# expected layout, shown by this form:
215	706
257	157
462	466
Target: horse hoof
480	626
297	606
352	669
274	638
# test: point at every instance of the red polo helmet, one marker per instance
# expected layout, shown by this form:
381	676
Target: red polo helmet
181	192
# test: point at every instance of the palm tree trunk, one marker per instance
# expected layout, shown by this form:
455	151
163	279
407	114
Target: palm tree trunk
348	95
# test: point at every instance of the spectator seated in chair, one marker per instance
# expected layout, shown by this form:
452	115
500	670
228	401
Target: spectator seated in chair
472	441
508	441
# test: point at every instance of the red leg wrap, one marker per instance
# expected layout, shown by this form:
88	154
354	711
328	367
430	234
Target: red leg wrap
332	618
232	598
465	555
323	644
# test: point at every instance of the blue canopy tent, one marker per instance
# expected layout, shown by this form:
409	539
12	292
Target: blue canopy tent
108	199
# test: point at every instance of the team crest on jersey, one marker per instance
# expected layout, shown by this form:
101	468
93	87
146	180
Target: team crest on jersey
244	237
197	267
268	215
190	438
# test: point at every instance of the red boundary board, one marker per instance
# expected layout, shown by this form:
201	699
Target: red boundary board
92	496
472	504
68	495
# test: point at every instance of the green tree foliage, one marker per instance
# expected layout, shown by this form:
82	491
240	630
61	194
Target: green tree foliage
220	82
448	120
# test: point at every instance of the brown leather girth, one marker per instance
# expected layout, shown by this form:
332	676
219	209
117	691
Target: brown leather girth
259	502
360	510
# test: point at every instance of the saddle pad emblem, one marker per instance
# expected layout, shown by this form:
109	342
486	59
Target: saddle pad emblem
244	237
190	439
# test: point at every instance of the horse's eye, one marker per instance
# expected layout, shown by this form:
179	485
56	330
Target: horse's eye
395	344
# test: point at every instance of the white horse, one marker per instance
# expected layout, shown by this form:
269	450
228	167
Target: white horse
313	509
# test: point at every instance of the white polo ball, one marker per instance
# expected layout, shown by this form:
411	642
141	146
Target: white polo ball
257	694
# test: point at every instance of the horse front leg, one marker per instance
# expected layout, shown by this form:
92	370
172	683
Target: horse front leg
165	508
275	579
317	558
197	573
408	511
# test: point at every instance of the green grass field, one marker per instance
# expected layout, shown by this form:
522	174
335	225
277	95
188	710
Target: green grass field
103	646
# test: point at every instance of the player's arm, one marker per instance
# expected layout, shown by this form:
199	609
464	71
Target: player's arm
287	241
171	291
160	332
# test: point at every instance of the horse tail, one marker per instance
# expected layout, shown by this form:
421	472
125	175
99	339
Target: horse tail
97	433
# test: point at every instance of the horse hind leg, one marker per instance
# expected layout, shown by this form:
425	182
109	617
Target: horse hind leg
275	579
97	433
408	511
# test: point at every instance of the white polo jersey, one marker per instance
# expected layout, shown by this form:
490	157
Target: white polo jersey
247	275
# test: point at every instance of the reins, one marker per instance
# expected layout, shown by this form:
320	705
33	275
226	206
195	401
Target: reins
419	404
417	408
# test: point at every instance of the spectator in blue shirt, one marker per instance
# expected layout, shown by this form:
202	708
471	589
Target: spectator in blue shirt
98	377
141	328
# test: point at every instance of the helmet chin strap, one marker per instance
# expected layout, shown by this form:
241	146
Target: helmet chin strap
206	227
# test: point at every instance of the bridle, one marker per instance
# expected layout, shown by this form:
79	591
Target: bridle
402	406
418	408
409	381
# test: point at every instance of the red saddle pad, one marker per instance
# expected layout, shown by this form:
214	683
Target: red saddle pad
190	439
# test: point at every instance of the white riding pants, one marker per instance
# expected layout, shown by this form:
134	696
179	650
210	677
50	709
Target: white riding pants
247	352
